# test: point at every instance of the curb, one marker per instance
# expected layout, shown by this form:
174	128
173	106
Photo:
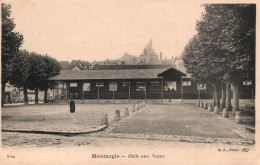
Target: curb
101	128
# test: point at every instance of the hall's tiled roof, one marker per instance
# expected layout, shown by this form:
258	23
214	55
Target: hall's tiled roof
112	74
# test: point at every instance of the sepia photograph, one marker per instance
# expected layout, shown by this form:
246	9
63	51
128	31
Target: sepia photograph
128	82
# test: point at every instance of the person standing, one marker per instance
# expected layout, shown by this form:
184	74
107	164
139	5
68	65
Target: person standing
72	106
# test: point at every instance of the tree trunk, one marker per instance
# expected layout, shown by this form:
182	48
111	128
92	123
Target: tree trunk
223	98
235	97
3	94
36	95
216	94
199	93
228	96
25	97
45	96
213	100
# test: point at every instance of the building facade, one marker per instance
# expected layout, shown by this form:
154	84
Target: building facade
118	84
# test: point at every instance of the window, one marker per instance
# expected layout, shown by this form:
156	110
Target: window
246	83
186	83
170	86
73	84
140	87
113	86
86	86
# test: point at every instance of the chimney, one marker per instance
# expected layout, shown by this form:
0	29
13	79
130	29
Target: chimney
160	55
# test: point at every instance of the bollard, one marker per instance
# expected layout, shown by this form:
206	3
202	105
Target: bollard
137	107
117	115
238	118
198	103
225	113
133	109
209	108
126	112
201	104
104	120
216	110
144	104
140	105
205	106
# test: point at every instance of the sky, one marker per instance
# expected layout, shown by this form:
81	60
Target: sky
104	29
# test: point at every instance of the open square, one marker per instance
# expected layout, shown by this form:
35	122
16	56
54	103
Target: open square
57	117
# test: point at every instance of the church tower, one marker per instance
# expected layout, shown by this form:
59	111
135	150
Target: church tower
149	56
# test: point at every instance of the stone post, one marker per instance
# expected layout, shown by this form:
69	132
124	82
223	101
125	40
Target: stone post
104	120
205	106
140	105
209	108
144	104
117	115
198	104
126	112
201	104
238	118
216	109
225	113
137	107
133	109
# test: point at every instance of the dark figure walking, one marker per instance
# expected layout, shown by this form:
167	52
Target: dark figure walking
72	106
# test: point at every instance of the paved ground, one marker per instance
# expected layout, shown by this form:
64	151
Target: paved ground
28	140
57	117
169	125
176	119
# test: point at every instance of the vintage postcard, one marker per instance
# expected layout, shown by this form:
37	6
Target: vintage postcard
129	82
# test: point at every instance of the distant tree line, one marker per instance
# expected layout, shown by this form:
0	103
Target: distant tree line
223	51
21	68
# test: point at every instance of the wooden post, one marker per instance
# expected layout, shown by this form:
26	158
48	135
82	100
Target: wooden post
68	90
53	91
63	89
162	90
83	92
199	93
145	92
98	93
129	91
113	96
181	90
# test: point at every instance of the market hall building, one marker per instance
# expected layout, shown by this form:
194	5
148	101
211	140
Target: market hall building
118	84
